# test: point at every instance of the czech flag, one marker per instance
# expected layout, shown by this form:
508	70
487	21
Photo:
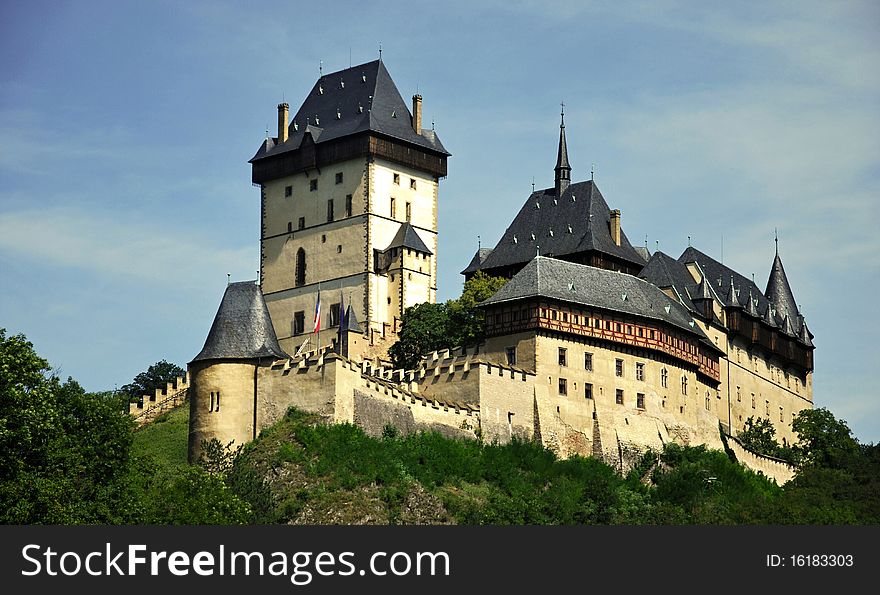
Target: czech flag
318	313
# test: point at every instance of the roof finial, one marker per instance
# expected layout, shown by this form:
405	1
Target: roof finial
646	242
321	67
228	278
380	51
533	183
563	168
776	239
592	171
562	114
689	241
537	251
479	244
432	122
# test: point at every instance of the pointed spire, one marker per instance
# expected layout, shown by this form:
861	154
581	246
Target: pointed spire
787	328
779	291
752	309
768	317
563	168
732	298
805	335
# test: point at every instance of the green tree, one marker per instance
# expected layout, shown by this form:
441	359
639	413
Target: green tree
466	320
424	329
823	440
759	435
156	376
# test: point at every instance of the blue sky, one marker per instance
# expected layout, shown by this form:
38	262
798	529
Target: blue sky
125	130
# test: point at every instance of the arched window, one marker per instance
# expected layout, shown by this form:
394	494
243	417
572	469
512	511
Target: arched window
300	267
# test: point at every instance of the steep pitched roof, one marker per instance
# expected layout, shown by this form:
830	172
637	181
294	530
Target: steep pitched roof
779	291
665	272
577	221
722	277
351	322
242	328
407	237
476	262
358	99
595	287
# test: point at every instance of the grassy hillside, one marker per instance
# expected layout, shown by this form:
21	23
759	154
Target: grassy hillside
165	439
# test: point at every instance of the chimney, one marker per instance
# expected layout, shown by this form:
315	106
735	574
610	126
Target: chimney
615	226
283	110
417	113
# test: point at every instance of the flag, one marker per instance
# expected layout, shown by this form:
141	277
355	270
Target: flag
341	315
318	312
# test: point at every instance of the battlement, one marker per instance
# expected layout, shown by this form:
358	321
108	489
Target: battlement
776	469
149	407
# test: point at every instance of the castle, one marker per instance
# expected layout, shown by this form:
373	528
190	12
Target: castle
593	346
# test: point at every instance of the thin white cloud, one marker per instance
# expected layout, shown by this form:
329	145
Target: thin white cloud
127	251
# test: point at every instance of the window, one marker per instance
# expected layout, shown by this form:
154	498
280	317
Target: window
313	185
289	226
339	249
511	356
767	409
664	378
397	179
302	223
348	205
300	278
562	356
393	208
214	407
299	322
707	403
738	397
753	400
640	400
640	371
781	415
409	211
684	385
339	177
412	183
618	367
334	314
588	362
288	191
588	390
563	386
618	398
323	238
329	210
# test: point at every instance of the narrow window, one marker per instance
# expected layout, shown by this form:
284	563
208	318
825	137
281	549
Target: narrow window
640	400
217	406
618	398
511	356
334	314
412	183
329	210
588	362
781	415
393	208
684	385
302	223
767	409
640	371
211	406
299	322
313	185
562	356
348	205
300	267
323	238
618	367
588	390
664	377
738	396
397	179
707	403
289	226
753	400
409	211
288	191
339	249
563	386
339	177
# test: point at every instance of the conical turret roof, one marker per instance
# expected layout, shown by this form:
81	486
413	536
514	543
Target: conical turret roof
779	291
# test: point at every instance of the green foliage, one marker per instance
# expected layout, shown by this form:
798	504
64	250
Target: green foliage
430	327
423	329
156	376
165	439
466	321
823	440
759	435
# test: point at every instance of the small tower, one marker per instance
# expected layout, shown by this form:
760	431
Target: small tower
562	169
224	375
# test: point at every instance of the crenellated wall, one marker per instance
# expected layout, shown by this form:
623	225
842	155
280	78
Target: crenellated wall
149	407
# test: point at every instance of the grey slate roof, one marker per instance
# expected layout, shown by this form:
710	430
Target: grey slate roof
407	237
365	99
242	328
351	322
476	262
779	291
598	288
577	221
666	272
